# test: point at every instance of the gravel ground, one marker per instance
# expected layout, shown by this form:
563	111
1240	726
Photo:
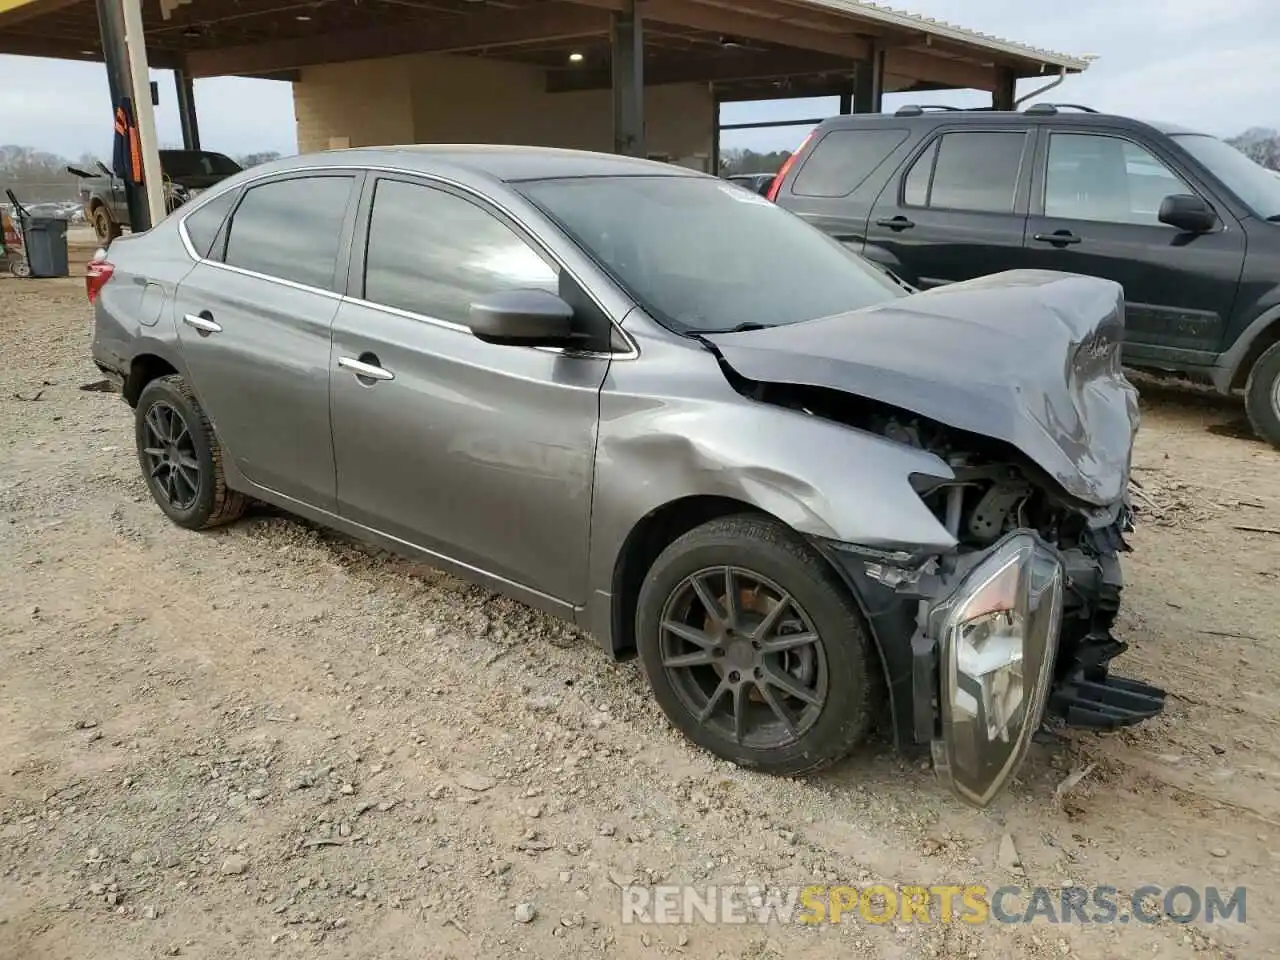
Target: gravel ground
266	741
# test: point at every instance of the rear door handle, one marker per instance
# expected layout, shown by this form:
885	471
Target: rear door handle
366	368
1059	238
203	322
896	223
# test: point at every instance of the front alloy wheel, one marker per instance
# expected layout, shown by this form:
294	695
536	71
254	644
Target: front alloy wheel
744	657
755	649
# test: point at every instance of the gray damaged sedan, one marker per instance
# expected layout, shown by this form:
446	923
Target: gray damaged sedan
654	404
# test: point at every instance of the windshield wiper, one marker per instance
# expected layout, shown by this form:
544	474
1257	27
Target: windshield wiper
745	327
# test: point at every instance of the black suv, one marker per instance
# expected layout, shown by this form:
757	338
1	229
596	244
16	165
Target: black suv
1185	222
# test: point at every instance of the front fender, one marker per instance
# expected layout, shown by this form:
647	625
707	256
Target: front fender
1231	369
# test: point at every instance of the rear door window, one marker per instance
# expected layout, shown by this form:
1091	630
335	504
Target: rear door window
842	161
203	225
974	171
291	229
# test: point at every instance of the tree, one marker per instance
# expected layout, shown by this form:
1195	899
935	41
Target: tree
253	159
741	160
1261	145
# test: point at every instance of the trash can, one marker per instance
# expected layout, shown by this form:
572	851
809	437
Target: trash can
46	240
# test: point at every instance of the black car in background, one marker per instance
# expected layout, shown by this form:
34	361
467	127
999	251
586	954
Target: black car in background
755	182
1185	222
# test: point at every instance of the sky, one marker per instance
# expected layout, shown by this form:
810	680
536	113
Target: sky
1204	64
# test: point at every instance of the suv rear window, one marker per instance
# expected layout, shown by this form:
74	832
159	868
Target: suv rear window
976	171
843	159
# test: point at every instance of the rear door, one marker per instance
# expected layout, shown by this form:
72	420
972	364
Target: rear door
958	209
254	318
1097	196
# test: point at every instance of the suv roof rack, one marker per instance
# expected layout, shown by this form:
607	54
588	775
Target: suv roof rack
916	109
1052	108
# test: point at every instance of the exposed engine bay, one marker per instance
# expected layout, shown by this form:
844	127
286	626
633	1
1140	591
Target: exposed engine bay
997	491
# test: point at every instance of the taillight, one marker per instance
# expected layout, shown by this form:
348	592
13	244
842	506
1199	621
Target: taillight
96	274
781	175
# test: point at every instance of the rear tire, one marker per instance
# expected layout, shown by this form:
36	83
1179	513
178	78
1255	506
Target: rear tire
181	458
1262	395
104	225
749	690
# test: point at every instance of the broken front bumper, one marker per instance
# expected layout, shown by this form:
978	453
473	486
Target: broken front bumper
992	662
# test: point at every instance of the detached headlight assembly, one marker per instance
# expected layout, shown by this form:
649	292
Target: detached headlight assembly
997	636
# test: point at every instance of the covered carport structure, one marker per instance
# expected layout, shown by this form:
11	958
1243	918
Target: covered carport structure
643	77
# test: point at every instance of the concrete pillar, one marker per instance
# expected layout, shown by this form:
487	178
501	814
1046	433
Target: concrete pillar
119	81
715	134
187	110
627	38
868	84
846	103
1005	92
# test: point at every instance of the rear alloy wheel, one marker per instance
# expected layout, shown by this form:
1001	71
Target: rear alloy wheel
1262	395
755	649
104	225
181	458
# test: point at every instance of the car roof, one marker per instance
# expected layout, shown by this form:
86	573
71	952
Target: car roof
494	161
1003	117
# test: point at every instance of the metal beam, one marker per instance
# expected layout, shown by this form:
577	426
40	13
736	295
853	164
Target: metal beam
186	90
1005	92
547	22
627	45
144	110
740	66
120	84
941	70
743	24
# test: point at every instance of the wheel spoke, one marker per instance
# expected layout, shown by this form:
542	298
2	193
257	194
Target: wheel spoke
790	686
788	641
698	658
698	638
739	712
156	426
183	433
153	451
730	598
710	604
155	471
779	710
714	699
190	479
188	462
171	485
770	621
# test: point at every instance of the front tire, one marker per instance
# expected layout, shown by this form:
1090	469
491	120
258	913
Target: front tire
1262	395
755	649
181	458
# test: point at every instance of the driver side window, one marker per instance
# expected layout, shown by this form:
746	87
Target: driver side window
1107	180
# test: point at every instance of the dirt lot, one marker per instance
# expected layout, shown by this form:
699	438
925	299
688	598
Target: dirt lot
268	742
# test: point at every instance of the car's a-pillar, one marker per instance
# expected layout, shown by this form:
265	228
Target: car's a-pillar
627	40
187	109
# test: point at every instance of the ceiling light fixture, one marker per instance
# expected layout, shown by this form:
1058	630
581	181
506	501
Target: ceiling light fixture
303	17
575	57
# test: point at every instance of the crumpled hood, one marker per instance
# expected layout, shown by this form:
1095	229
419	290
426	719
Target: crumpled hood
1028	357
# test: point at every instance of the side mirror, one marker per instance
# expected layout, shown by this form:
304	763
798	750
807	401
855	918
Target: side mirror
529	318
1187	212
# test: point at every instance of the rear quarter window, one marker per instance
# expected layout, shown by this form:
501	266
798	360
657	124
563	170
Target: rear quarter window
843	159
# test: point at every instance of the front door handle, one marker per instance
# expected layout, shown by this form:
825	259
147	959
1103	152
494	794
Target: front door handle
203	322
1059	238
896	224
366	368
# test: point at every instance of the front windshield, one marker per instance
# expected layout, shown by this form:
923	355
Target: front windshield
703	255
1257	187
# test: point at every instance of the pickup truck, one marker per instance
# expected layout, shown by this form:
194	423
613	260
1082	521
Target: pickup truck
186	174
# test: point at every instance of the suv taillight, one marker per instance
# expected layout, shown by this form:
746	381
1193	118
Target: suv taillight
96	274
781	175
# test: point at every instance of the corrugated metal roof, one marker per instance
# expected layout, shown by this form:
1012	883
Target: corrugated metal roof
939	28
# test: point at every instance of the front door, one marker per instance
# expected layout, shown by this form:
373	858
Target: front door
1097	214
479	453
253	319
957	212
